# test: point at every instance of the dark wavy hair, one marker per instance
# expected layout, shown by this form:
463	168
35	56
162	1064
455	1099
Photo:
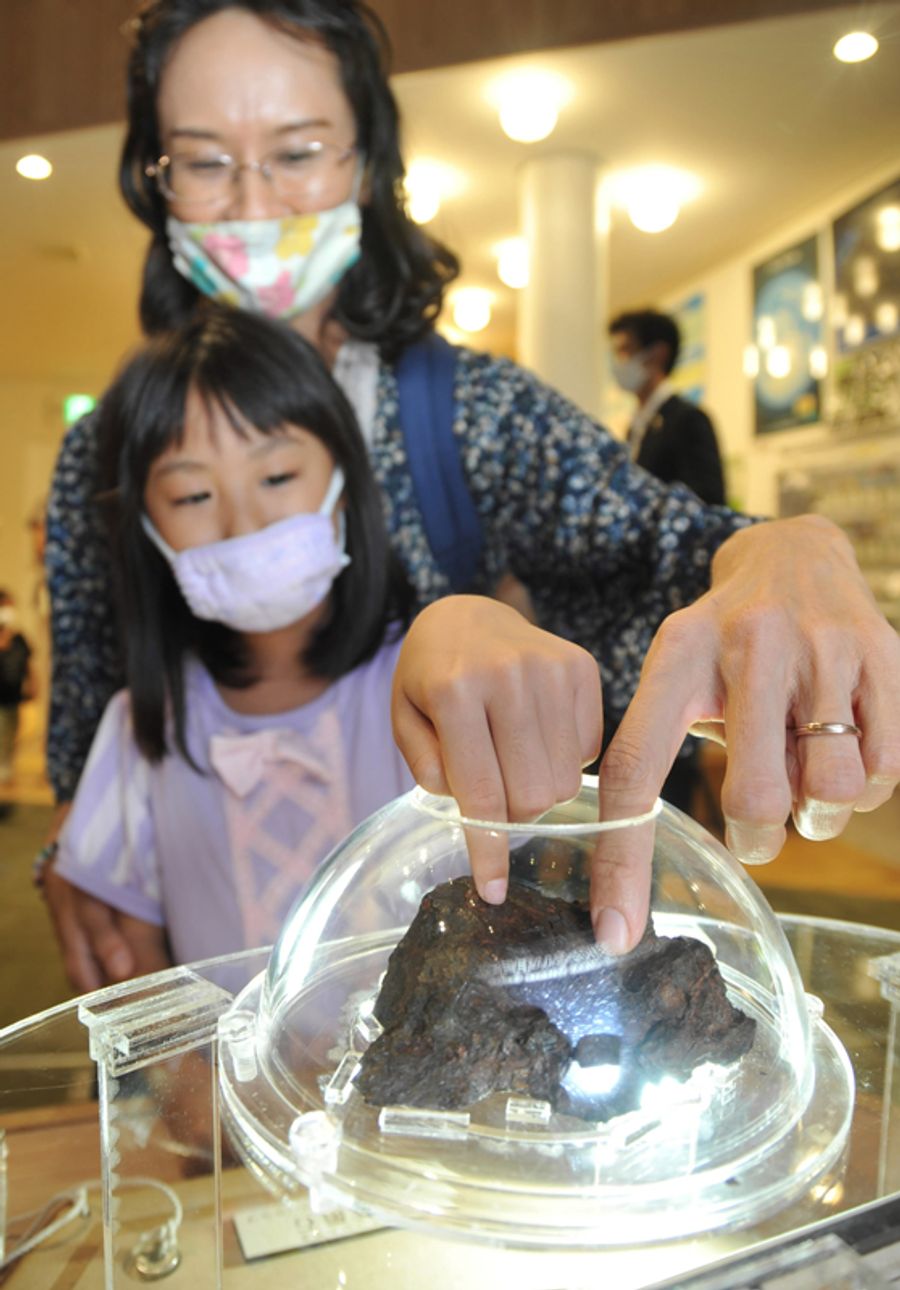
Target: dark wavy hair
263	374
393	294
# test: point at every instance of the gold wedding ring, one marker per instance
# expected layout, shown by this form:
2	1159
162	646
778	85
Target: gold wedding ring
827	728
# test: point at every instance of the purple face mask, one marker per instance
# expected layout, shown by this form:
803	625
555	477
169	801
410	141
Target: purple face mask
262	581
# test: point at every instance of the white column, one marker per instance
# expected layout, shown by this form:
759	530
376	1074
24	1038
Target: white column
562	311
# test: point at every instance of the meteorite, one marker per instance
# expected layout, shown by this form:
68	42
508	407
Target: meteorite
515	998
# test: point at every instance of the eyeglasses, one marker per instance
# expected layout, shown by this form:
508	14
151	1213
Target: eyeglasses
306	173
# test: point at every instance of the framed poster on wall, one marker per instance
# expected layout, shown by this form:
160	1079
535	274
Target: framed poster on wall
689	375
787	325
866	312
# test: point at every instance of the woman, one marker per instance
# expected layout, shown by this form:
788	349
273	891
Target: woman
244	116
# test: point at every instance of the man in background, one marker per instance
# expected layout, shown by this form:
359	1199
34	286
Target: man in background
673	440
670	437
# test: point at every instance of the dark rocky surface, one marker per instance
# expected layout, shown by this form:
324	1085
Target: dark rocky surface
518	998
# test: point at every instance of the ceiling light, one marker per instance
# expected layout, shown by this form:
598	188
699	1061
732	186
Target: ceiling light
529	102
653	195
855	47
654	214
422	206
34	166
471	308
427	184
512	262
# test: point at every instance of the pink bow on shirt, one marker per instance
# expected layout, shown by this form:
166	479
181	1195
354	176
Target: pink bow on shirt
241	760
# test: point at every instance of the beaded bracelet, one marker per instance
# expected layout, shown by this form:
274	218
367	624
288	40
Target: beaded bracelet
39	864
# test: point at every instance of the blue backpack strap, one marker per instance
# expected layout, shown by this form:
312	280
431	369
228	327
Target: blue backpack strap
425	378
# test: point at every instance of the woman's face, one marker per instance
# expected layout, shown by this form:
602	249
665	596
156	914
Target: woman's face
219	484
238	87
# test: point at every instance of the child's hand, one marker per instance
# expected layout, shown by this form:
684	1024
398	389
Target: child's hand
93	949
148	944
497	713
99	944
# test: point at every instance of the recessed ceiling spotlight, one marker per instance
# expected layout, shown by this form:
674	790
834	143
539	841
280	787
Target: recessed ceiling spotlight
427	185
653	195
512	262
855	47
471	307
529	103
34	166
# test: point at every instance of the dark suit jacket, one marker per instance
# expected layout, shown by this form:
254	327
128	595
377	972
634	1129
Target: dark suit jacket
680	445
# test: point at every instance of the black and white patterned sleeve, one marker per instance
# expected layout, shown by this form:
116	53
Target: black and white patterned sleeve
606	550
86	667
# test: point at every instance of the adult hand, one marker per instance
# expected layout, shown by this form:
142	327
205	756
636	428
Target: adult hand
95	950
497	713
788	634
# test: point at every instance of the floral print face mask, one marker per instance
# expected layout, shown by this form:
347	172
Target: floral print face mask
278	267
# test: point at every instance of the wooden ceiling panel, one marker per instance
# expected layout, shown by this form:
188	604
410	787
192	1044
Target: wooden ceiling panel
62	61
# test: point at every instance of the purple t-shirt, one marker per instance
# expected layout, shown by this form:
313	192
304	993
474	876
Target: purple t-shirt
218	855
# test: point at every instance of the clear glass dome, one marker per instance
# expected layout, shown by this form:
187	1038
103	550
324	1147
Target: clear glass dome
622	1149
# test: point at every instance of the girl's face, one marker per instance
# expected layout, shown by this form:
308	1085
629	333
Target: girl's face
219	484
235	86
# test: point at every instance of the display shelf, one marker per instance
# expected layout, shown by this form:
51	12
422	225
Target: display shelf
863	497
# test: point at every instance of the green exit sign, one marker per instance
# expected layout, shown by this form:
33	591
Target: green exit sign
76	406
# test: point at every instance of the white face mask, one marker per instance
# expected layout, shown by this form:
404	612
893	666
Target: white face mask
278	267
630	373
262	581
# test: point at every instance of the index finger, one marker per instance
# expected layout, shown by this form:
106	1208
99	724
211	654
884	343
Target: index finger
632	773
475	780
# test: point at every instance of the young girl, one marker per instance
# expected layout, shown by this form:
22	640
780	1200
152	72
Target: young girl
263	619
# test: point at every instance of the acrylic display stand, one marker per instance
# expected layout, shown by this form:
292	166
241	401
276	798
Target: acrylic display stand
116	1096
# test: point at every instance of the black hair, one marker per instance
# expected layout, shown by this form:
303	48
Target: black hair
648	326
393	294
263	374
